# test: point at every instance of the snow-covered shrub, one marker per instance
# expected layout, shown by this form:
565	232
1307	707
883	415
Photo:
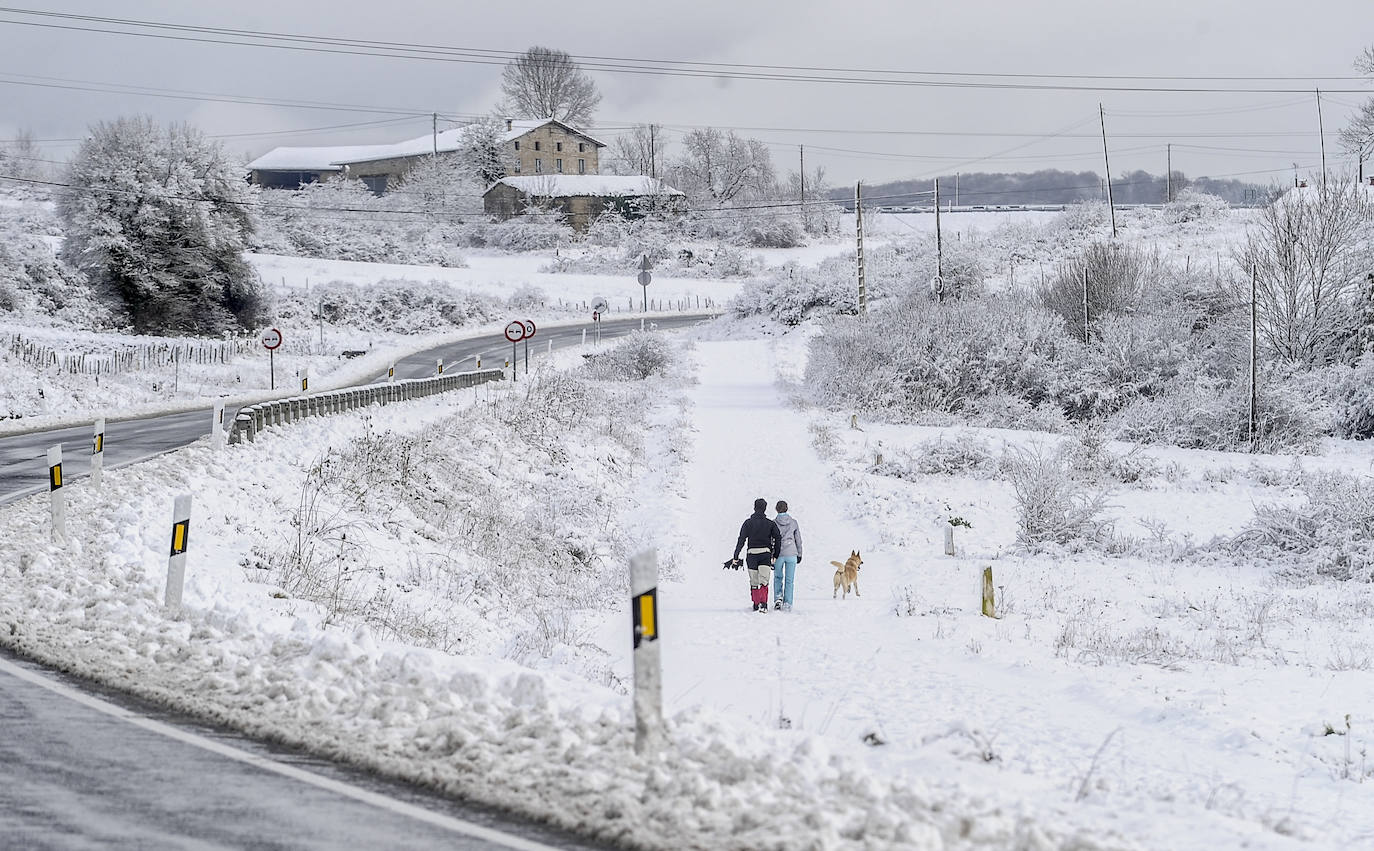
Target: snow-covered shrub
527	297
1193	206
1054	506
638	356
916	355
532	231
1209	413
964	454
1005	410
795	293
1083	216
1116	275
404	307
1330	534
160	217
1356	400
961	265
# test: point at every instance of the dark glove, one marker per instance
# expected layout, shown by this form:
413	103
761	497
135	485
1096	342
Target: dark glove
731	563
798	559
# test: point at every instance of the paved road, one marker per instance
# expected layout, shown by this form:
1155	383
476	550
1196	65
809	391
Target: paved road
23	468
84	770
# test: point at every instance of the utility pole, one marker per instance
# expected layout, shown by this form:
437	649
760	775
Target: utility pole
1254	392
939	249
434	131
859	242
801	175
1169	174
1321	133
653	162
1106	163
1086	327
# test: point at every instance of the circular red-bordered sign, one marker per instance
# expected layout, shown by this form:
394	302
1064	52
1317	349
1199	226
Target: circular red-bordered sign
271	339
515	332
529	328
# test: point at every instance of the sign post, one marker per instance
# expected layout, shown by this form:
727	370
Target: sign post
176	560
98	452
59	499
645	278
648	678
529	332
271	340
599	308
515	332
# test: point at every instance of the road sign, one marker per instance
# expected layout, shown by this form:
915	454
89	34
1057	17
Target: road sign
515	332
529	329
645	278
271	339
644	262
600	305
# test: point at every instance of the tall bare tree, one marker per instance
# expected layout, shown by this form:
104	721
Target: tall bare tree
547	83
1358	136
720	167
1308	252
639	151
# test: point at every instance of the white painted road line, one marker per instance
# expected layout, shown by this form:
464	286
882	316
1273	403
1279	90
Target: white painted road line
337	787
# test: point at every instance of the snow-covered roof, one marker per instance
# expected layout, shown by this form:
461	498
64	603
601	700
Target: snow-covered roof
335	157
521	126
602	185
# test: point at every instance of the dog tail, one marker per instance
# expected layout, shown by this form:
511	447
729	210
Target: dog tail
838	564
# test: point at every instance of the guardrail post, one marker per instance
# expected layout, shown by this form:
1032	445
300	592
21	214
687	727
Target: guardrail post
243	428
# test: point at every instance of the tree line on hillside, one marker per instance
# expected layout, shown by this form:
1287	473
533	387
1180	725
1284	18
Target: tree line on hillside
1050	186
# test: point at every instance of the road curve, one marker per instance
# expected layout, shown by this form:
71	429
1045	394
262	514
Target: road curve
23	468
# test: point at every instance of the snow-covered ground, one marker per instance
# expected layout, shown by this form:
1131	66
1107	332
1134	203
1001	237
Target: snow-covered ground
1141	701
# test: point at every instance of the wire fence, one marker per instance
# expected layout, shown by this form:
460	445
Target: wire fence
127	357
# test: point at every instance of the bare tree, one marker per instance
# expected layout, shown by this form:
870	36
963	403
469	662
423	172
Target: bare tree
720	167
1358	136
811	192
1307	253
547	83
639	151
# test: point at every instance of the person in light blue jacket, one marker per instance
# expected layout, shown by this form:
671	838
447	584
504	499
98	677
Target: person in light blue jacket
789	556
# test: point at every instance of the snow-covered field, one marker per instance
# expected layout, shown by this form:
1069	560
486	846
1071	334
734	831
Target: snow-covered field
1148	700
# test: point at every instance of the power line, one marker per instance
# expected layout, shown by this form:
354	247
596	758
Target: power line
479	56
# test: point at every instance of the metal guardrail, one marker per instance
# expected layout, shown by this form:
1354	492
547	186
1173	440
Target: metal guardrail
252	420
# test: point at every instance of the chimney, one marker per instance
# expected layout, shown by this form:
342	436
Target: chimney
508	123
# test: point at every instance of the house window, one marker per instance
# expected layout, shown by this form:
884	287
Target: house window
376	183
536	146
538	165
517	144
558	145
517	165
581	166
558	165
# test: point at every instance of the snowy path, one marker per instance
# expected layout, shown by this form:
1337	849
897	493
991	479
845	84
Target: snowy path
750	443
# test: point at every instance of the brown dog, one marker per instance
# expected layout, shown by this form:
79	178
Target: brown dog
847	574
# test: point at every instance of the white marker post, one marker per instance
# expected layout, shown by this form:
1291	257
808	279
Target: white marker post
440	364
217	426
305	379
59	499
176	561
391	373
97	452
648	676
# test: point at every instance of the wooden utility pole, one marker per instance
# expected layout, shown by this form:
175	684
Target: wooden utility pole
653	153
939	248
1168	174
1106	163
859	242
801	181
434	131
1254	345
1321	133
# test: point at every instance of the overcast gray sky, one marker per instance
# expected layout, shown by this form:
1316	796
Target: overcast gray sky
1255	135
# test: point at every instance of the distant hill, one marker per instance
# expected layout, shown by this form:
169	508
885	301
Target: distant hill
1049	186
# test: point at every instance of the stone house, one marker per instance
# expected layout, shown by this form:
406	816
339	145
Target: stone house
529	147
580	198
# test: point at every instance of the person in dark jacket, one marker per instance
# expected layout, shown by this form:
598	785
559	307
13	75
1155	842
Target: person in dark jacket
760	538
